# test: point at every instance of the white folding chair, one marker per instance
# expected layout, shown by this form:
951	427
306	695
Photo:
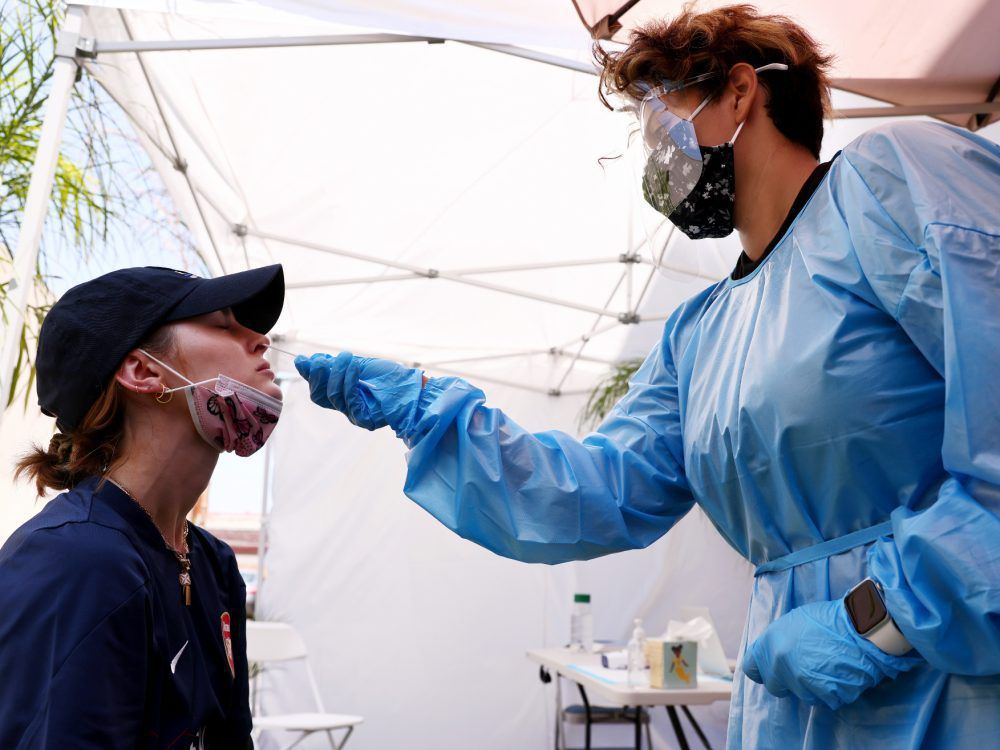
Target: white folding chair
270	642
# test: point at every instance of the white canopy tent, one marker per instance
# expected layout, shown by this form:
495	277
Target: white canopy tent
440	204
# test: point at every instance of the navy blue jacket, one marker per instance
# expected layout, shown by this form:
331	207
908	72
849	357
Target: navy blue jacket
98	650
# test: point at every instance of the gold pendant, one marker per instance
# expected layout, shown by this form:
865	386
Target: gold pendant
185	581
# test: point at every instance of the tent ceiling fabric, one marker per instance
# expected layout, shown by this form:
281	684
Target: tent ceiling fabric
907	52
540	23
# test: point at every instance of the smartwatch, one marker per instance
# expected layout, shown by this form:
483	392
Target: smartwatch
866	608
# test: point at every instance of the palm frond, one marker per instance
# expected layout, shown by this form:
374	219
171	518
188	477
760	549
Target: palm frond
608	392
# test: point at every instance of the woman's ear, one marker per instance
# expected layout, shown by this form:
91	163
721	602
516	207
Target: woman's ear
136	373
743	85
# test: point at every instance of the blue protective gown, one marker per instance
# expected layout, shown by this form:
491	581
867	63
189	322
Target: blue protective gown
848	381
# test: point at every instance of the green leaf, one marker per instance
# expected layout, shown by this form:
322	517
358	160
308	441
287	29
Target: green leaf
608	392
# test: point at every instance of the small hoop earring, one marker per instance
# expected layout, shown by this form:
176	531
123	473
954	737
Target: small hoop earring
160	399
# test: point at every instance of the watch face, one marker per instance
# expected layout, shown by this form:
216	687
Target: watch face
865	607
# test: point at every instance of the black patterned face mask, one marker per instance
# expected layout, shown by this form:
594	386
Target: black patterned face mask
708	210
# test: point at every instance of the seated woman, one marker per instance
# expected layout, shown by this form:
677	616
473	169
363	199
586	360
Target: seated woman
123	625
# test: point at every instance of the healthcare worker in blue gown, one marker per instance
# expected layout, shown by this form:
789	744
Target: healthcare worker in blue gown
833	406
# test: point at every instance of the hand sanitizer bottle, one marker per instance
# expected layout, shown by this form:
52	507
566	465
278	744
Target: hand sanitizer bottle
637	657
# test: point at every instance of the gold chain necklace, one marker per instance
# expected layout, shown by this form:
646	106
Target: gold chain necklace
182	557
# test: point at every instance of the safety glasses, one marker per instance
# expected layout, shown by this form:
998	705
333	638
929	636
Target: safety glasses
660	114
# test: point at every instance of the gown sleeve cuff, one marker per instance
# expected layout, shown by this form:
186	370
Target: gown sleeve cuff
439	402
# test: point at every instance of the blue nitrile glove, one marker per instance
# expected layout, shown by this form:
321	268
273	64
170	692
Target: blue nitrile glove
372	393
815	653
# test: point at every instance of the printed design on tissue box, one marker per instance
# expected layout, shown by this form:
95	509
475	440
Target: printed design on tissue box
672	664
677	664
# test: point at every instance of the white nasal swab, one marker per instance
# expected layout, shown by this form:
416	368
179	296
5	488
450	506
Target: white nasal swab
283	351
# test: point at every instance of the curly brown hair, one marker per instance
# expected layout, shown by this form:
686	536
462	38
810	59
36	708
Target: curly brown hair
693	44
92	448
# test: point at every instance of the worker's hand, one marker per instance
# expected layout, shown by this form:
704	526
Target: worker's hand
372	393
814	653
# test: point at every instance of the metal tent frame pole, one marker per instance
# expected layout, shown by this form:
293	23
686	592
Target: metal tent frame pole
265	501
95	47
902	110
551	352
584	340
428	273
472	271
535	56
36	206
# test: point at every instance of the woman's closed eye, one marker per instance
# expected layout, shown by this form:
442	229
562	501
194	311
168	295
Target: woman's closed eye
223	319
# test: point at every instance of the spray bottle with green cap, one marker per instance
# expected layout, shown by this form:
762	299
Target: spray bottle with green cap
581	636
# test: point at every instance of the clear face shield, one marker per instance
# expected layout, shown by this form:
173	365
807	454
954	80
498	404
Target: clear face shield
670	155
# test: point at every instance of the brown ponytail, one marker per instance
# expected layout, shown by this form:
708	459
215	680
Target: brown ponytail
92	447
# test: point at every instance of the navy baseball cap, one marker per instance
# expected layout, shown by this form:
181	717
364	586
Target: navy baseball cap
88	332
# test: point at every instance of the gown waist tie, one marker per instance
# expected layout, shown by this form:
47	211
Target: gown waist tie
829	548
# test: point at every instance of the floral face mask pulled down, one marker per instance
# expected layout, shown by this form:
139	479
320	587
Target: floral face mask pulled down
230	416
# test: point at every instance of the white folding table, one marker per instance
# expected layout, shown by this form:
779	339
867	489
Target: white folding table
586	671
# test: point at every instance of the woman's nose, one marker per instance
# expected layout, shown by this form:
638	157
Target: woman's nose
260	343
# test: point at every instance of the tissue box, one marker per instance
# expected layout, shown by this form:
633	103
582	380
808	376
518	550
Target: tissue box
672	664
